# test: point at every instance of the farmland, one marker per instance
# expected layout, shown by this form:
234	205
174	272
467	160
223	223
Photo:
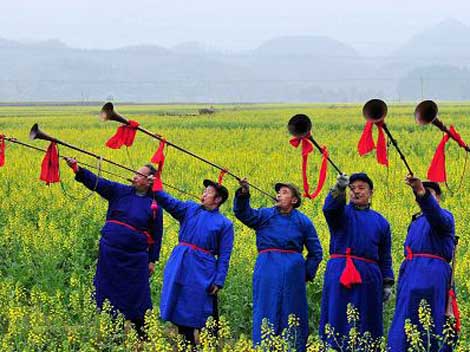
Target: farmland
49	235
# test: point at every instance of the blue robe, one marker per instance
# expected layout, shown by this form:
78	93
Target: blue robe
122	274
279	279
368	235
431	232
190	272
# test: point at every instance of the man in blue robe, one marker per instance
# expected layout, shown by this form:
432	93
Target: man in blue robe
425	273
359	271
198	265
130	242
281	271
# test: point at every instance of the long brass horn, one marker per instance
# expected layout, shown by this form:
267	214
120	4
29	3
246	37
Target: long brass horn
37	133
109	114
427	112
299	126
375	110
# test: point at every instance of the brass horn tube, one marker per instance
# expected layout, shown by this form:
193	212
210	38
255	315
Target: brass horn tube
108	108
375	110
427	112
299	126
36	133
16	141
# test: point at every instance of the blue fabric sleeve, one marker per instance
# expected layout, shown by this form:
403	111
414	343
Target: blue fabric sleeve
244	212
440	221
315	251
157	235
334	210
225	250
175	207
106	189
385	254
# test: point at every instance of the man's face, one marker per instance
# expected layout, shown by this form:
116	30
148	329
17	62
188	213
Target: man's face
434	194
285	198
360	193
210	198
140	182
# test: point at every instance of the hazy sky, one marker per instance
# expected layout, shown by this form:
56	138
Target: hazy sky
225	24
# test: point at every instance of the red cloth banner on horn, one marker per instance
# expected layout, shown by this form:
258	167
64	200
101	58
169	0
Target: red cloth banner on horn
159	159
307	148
366	142
2	150
124	135
437	169
50	165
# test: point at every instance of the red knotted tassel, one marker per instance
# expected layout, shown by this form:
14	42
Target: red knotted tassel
409	253
154	208
455	310
221	176
50	165
124	135
159	159
350	275
307	148
2	150
366	142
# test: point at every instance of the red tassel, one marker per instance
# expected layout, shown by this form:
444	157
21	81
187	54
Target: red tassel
366	143
50	165
154	208
437	169
221	176
455	310
409	253
159	159
159	156
350	275
124	135
2	150
381	146
307	148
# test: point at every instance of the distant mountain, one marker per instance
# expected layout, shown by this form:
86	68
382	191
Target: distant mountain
285	69
446	42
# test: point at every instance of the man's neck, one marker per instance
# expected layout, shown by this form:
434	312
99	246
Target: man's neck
210	207
285	211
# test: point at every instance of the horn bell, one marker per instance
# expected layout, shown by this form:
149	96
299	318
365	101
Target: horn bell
426	112
299	125
375	110
107	113
36	133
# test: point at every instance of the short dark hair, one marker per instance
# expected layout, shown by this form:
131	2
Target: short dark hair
153	170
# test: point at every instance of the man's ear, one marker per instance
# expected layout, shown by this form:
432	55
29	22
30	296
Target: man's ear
218	199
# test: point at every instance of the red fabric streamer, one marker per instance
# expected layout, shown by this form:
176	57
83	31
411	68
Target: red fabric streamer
221	176
2	150
50	165
159	159
366	142
437	169
307	148
124	135
455	310
350	275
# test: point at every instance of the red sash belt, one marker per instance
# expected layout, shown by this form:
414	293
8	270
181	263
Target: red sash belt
277	250
410	255
150	240
350	275
194	247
